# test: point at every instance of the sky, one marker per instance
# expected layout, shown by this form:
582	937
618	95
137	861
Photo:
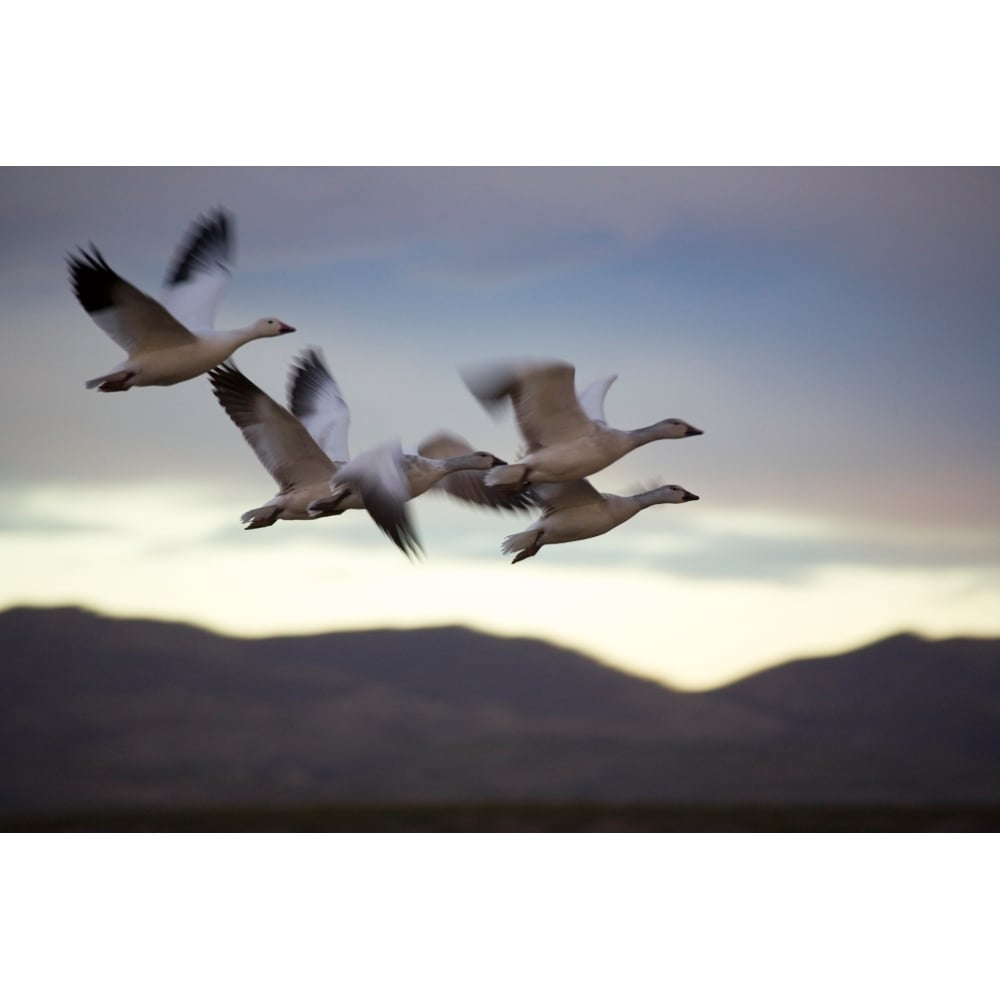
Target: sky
834	331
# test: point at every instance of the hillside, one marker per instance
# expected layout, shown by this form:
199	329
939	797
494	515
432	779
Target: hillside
99	713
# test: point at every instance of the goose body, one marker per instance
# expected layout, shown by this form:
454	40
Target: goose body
574	510
565	438
174	339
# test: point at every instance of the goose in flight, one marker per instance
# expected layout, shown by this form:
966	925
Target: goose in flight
305	450
574	510
300	463
443	461
174	339
566	438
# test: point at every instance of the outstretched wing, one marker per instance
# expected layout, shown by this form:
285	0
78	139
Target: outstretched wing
543	395
199	274
133	320
592	398
285	448
559	496
315	398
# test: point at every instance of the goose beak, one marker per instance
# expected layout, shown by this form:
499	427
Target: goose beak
498	461
285	328
690	496
691	432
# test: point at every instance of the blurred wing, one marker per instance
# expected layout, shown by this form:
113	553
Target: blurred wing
592	398
314	397
379	475
468	485
543	395
444	445
285	448
559	496
199	274
133	320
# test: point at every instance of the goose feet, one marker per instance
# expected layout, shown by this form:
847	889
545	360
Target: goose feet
261	517
531	550
116	383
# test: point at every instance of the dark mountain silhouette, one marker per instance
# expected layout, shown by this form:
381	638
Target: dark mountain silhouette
100	713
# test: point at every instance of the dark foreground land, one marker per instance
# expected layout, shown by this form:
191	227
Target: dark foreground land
531	818
109	724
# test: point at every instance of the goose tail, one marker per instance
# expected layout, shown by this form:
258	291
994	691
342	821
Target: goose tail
112	382
515	543
260	517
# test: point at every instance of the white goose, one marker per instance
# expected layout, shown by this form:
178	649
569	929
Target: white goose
574	510
173	340
300	463
565	438
306	452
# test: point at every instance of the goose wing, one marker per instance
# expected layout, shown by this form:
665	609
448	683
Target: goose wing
285	448
315	398
380	477
199	274
592	398
559	496
133	320
468	485
543	394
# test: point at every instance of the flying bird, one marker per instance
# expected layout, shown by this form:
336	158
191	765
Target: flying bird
574	510
305	449
174	339
566	438
300	464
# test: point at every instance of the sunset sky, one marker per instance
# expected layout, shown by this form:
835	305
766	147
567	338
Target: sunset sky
835	332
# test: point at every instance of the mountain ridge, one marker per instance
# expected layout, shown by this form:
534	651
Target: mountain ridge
102	712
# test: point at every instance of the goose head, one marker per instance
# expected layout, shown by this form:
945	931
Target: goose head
270	327
674	428
671	494
479	460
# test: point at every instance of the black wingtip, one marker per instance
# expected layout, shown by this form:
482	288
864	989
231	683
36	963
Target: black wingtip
207	245
306	377
91	278
407	543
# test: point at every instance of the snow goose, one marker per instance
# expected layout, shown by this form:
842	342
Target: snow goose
305	450
175	339
304	462
299	461
442	460
566	438
574	510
